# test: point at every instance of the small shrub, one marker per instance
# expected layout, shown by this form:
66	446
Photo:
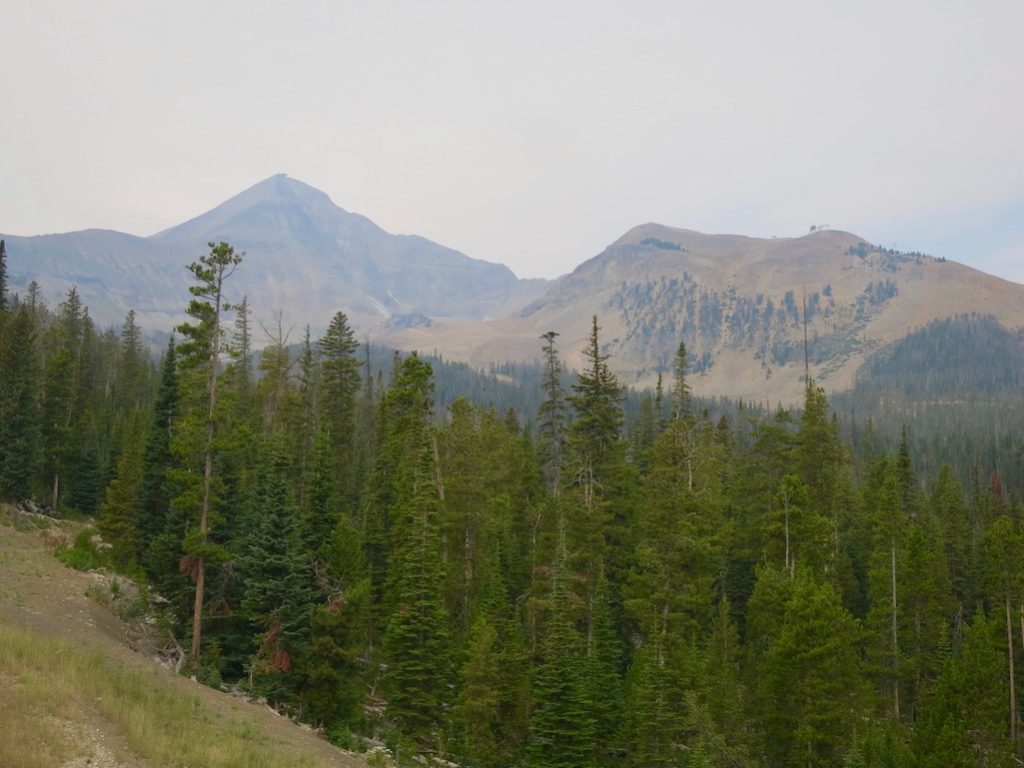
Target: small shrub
76	558
132	607
380	757
211	662
84	554
342	737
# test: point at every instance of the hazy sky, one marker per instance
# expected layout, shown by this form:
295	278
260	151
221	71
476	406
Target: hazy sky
531	133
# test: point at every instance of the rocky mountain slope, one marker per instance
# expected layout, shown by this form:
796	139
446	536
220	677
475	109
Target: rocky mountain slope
304	256
738	303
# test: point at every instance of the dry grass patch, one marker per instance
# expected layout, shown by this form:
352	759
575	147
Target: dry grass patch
48	683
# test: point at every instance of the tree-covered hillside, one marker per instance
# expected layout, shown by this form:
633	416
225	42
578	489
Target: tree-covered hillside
957	385
572	583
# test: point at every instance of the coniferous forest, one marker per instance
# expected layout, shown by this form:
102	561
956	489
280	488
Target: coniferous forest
688	586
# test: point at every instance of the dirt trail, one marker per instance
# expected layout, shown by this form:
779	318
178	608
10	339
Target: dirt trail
39	594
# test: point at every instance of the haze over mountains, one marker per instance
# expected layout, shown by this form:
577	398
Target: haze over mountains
737	302
304	256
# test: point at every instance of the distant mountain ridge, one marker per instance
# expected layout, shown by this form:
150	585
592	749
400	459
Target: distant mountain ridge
304	255
738	303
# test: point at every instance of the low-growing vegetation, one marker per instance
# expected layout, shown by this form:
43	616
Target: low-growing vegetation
51	688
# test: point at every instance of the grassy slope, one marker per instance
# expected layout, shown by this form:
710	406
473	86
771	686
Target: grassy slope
75	694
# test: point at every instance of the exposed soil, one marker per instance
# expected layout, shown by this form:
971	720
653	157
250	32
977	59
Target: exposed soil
40	594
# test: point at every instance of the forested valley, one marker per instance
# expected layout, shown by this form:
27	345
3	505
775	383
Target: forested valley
676	583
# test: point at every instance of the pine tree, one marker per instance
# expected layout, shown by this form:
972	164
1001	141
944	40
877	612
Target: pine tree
811	687
241	344
682	398
497	670
477	710
561	722
308	419
133	367
57	433
796	533
278	579
201	350
724	701
599	513
3	280
601	671
278	402
964	718
334	668
118	520
155	492
927	607
886	615
551	416
653	723
594	436
819	454
19	427
960	538
643	432
1003	552
63	403
341	382
404	413
669	592
35	303
416	642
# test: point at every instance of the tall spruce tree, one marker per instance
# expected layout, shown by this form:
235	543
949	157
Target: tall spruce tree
682	397
155	493
278	577
3	279
19	427
551	416
119	511
57	427
416	642
561	722
594	436
402	431
63	408
133	366
334	669
308	417
887	569
964	717
1003	552
811	688
477	709
340	381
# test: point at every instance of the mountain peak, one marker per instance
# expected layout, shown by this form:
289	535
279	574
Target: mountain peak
281	187
276	202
